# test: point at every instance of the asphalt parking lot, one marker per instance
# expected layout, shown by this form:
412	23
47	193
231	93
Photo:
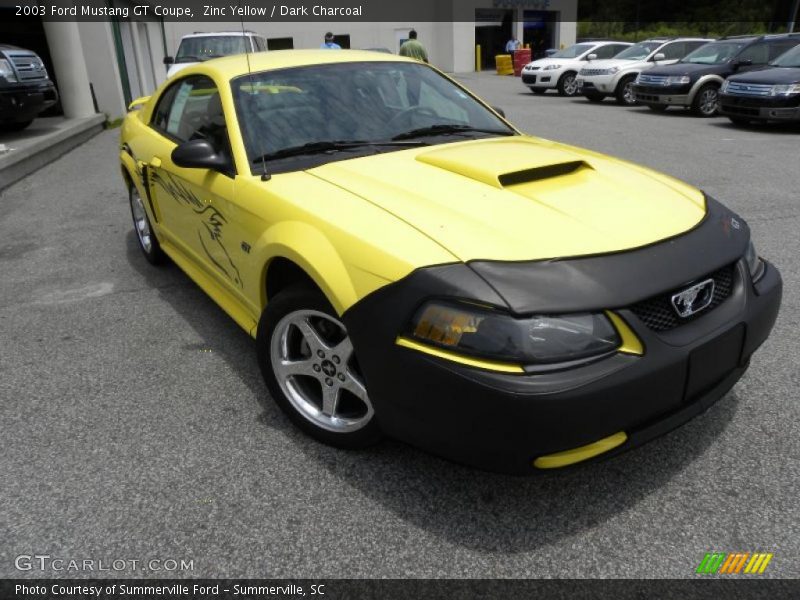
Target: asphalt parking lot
135	424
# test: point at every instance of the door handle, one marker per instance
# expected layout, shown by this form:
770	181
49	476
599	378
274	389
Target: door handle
155	162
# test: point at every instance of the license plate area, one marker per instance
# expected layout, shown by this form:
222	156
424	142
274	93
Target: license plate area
712	362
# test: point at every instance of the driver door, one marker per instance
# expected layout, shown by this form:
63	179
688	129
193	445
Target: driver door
192	201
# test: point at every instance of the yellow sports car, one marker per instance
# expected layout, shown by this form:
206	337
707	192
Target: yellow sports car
411	265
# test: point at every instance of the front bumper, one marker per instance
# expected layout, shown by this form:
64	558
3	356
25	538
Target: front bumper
602	84
25	102
761	109
503	422
540	79
661	96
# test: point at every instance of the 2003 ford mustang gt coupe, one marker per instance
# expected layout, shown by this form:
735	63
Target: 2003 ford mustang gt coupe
411	265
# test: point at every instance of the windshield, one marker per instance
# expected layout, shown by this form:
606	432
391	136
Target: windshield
788	59
364	102
197	49
573	51
715	53
638	51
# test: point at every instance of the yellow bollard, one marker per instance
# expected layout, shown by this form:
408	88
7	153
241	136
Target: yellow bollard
504	64
478	58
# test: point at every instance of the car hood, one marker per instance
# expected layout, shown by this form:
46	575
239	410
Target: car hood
688	69
774	75
543	62
521	198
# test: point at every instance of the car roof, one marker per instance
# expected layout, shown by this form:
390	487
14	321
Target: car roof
239	33
236	65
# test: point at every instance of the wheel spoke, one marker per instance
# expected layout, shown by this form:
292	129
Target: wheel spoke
355	387
298	367
344	350
310	334
330	399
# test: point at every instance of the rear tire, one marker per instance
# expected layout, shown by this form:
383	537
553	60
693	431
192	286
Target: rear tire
625	94
148	243
706	102
14	125
308	363
567	85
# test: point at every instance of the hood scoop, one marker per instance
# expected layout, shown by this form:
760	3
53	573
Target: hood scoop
539	173
505	162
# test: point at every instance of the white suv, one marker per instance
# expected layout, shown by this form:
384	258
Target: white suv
198	47
559	71
615	77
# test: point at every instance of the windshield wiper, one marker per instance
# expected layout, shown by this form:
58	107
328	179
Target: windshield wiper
329	146
448	128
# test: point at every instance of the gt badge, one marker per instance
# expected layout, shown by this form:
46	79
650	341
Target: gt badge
694	299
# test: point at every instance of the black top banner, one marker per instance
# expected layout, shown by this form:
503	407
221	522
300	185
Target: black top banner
412	11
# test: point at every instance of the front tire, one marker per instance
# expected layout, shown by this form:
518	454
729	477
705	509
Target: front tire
706	101
11	126
148	243
625	94
568	85
309	365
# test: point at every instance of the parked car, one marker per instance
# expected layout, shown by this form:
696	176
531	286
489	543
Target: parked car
615	77
25	88
560	71
694	81
412	265
198	47
768	94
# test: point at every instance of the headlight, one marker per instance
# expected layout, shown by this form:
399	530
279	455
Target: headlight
678	80
613	70
754	264
785	90
551	67
724	87
499	336
6	71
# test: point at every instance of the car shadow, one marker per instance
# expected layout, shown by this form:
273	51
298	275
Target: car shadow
470	508
770	128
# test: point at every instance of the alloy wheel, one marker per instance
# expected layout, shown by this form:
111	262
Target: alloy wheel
709	100
140	222
313	361
570	85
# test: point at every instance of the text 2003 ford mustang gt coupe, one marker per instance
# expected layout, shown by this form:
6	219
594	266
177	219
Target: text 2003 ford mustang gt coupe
411	265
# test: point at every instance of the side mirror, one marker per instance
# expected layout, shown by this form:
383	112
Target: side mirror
499	111
592	56
168	60
744	62
659	56
199	154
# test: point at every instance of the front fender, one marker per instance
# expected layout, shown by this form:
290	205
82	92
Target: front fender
701	82
311	250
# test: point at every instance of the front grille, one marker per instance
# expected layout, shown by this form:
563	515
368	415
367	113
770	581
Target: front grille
748	89
652	79
740	110
659	314
528	78
28	66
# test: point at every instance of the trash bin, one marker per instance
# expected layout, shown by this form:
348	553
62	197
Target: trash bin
521	58
504	64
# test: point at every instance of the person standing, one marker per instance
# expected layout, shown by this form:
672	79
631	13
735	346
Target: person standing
329	44
513	45
412	48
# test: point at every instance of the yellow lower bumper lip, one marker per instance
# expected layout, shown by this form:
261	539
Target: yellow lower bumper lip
576	455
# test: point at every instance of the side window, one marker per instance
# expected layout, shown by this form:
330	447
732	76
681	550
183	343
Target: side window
606	51
758	54
160	114
674	51
778	48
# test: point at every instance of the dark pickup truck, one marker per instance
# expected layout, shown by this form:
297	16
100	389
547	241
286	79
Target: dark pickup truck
25	88
769	94
695	80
